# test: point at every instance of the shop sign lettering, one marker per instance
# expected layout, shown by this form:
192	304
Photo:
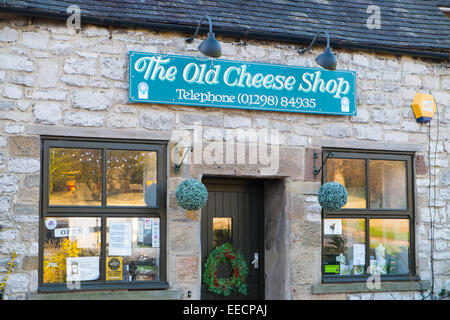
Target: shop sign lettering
180	80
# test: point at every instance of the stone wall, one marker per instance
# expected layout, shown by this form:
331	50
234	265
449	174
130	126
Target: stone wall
56	81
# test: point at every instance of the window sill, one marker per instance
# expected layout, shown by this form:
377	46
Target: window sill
361	287
99	286
170	294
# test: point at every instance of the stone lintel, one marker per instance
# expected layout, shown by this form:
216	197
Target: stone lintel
98	132
366	145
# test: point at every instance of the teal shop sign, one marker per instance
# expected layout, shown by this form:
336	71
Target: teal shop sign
202	82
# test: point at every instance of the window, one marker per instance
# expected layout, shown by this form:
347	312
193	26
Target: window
103	215
372	233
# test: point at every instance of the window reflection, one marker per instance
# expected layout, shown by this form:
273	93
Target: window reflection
131	178
344	246
389	246
387	184
221	231
75	177
71	249
132	249
351	173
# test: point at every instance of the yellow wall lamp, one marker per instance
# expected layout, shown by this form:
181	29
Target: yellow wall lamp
424	107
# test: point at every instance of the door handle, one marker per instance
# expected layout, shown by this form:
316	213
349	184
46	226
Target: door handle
255	261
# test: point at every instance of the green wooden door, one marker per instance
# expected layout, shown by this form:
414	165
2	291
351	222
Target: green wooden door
235	213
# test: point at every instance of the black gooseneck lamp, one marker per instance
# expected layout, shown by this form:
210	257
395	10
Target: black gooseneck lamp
210	47
326	59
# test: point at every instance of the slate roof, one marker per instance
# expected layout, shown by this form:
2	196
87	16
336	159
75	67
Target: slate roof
406	25
444	3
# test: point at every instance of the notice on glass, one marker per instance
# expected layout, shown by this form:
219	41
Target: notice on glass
359	254
332	227
155	232
82	268
120	239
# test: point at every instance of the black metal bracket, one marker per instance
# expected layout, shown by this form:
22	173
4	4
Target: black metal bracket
316	156
177	166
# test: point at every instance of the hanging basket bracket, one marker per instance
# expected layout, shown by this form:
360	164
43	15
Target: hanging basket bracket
316	156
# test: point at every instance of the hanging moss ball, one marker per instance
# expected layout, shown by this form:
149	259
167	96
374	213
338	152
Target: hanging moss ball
332	196
191	194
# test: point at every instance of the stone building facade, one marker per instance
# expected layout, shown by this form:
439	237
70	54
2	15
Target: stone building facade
59	82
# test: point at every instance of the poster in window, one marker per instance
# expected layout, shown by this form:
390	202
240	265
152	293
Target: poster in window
359	254
120	239
114	267
155	229
332	227
82	268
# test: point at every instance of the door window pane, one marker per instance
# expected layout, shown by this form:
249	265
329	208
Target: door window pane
132	249
131	178
71	249
75	177
351	173
344	246
387	184
221	231
389	246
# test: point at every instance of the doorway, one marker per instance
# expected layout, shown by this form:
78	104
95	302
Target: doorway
235	213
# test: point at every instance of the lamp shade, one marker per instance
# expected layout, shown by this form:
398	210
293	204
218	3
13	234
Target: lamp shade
327	59
210	47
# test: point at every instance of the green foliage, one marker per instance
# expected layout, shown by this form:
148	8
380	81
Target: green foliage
332	196
191	194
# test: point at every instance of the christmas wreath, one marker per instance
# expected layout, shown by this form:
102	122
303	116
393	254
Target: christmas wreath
236	282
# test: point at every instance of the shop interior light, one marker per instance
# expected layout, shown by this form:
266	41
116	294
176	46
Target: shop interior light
210	47
326	59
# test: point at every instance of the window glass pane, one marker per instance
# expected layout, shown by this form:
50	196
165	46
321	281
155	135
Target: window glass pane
351	173
344	246
387	184
221	231
75	177
389	246
131	178
71	249
132	249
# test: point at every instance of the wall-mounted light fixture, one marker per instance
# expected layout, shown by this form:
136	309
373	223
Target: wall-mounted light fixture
210	47
326	59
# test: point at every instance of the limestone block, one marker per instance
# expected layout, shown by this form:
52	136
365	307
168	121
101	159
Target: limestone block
23	165
92	100
338	130
35	40
16	63
13	92
8	183
24	146
187	268
47	75
57	95
80	66
113	68
6	105
47	112
23	78
8	34
411	67
157	120
83	119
